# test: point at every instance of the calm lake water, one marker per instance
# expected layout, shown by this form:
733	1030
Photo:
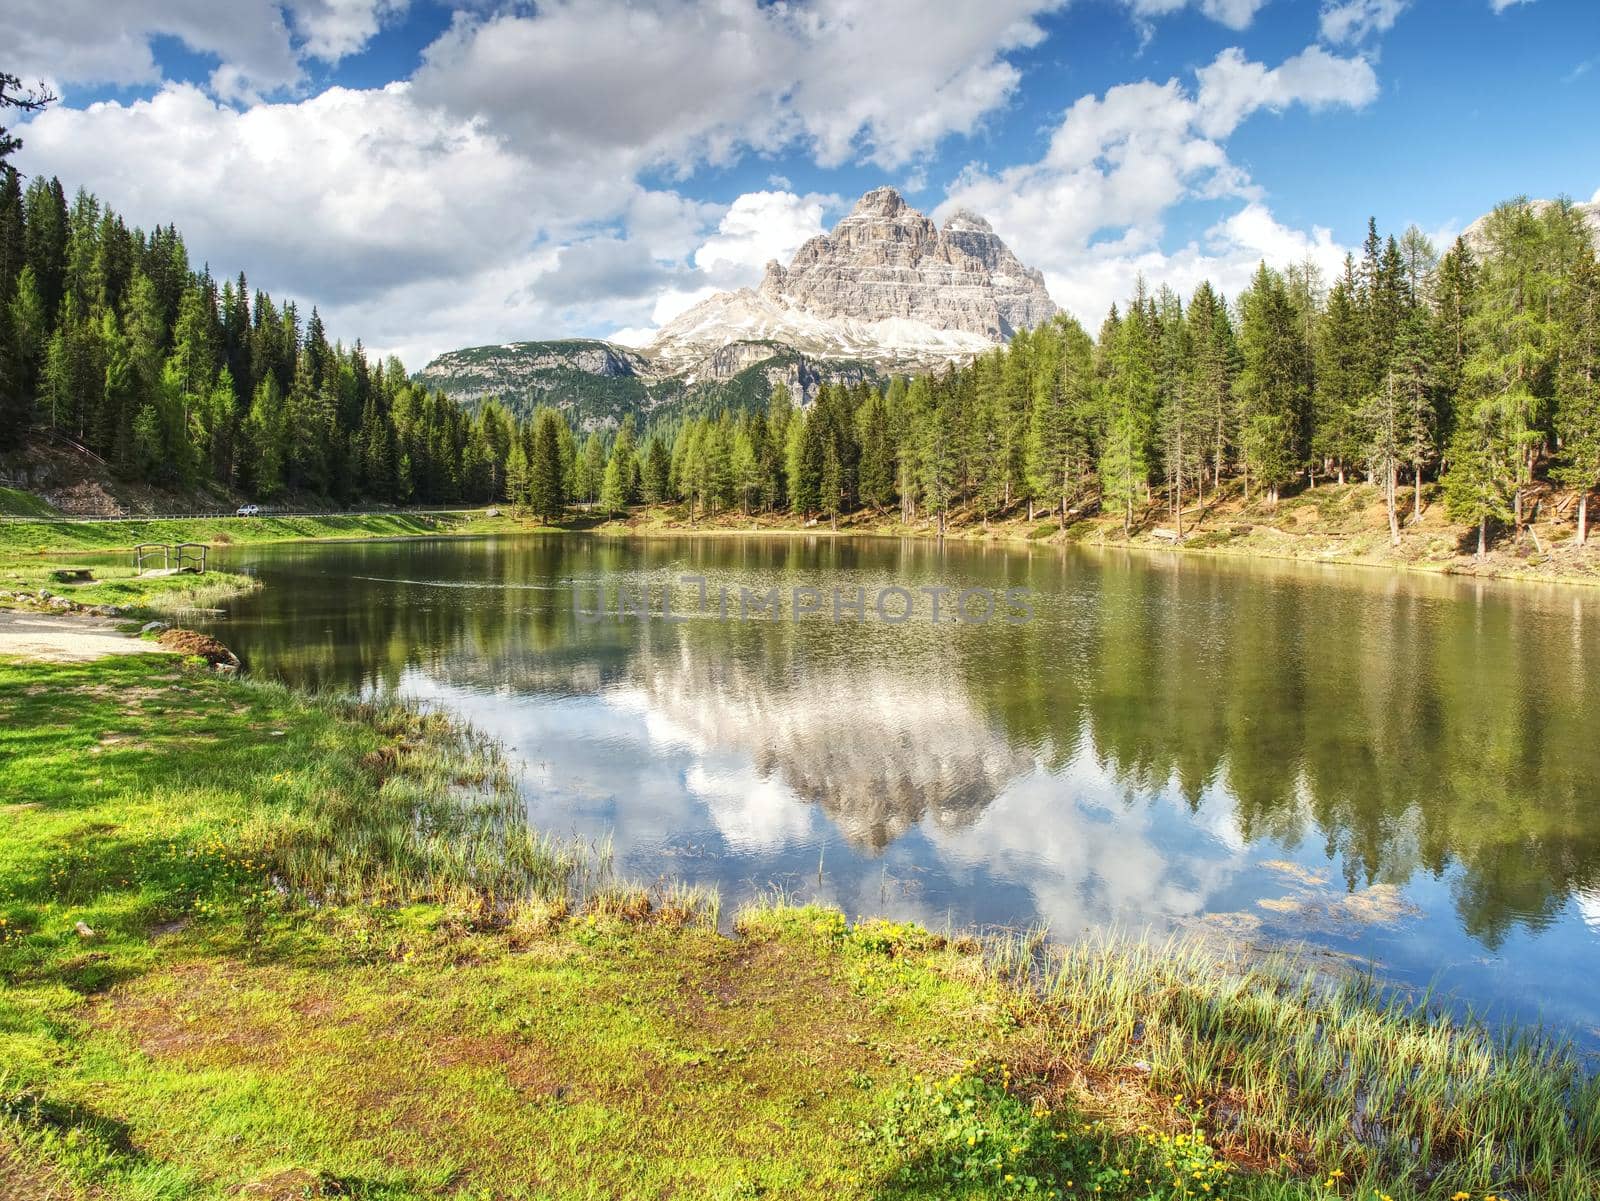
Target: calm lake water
1402	769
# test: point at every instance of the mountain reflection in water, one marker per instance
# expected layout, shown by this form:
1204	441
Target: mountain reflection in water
1404	766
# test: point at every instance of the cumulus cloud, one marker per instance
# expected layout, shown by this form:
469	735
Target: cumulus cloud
259	44
1348	21
755	228
759	226
1235	14
1091	212
677	83
1233	87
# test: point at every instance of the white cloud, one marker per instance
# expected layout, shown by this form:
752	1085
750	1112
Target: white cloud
675	83
1091	212
1500	6
258	50
1235	14
1233	87
333	29
1356	20
759	226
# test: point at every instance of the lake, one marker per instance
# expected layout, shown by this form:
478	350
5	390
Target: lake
1398	768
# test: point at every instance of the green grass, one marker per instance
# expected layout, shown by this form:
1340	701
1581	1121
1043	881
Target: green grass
325	956
14	502
66	536
138	595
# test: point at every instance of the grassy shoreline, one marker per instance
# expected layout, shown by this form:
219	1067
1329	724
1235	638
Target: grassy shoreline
68	536
1343	525
254	942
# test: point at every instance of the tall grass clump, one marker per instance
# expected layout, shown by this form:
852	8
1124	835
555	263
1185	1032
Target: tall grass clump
1298	1068
432	815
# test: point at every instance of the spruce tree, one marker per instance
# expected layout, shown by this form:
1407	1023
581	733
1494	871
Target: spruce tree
1577	398
1274	383
613	489
545	493
1336	398
517	477
657	468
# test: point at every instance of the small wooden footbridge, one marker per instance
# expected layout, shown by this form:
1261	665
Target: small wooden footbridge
175	557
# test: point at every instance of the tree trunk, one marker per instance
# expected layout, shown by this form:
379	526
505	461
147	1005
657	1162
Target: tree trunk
1341	473
1394	520
1063	512
1416	501
1516	516
1483	536
1583	518
1030	509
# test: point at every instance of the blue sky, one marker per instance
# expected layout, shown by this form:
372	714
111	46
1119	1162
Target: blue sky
435	175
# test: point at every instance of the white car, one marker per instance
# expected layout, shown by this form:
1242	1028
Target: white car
248	511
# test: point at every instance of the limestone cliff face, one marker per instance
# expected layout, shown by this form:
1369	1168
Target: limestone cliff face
887	260
885	285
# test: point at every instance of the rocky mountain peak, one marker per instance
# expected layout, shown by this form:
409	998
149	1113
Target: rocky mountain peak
880	202
885	284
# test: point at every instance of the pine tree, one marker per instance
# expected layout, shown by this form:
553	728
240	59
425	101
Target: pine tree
656	470
1414	368
1577	413
1336	398
877	469
937	461
1512	337
545	494
1483	466
1060	427
613	490
1211	375
1128	392
1011	415
1274	383
745	469
1382	414
1178	413
517	476
803	464
590	469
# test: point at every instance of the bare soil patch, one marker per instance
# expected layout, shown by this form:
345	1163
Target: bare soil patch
52	639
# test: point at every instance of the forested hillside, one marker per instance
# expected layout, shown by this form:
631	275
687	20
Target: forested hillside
1480	368
109	335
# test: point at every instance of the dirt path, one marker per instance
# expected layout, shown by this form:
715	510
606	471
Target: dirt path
60	639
